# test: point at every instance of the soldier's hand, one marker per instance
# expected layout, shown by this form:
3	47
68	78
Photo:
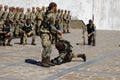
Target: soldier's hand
7	34
88	35
60	32
83	36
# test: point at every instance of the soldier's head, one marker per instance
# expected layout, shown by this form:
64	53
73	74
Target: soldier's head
10	8
43	8
60	45
28	10
58	11
17	9
52	6
68	12
90	21
46	8
22	10
65	11
0	7
5	7
33	9
28	21
61	11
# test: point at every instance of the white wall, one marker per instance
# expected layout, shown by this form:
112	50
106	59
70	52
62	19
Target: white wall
106	12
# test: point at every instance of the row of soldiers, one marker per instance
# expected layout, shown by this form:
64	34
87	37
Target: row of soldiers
16	23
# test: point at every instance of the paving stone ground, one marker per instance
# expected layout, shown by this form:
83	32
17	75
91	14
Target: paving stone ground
103	60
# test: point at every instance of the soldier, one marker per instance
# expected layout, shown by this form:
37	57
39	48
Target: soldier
28	31
16	20
68	22
43	11
5	13
46	30
61	18
27	14
8	32
91	29
33	16
65	53
64	21
39	18
2	34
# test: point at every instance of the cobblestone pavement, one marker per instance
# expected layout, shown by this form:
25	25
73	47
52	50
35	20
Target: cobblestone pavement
103	60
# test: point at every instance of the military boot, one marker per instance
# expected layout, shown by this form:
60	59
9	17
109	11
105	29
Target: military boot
68	31
44	63
49	62
83	56
33	42
8	44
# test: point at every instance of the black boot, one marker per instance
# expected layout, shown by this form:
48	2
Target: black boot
33	42
83	56
8	44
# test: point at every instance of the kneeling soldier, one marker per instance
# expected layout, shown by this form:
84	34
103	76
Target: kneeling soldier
28	31
65	53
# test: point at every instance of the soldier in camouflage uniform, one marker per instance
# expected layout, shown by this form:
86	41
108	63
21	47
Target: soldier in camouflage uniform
1	23
43	11
64	21
33	16
46	30
91	29
68	22
8	30
39	18
65	53
2	34
27	14
28	30
5	13
16	20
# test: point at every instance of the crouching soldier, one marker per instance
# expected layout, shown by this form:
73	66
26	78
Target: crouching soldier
8	31
27	31
91	29
65	53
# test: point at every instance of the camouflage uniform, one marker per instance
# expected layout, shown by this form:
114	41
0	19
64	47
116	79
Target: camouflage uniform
64	21
65	53
8	29
91	29
39	18
68	22
16	20
28	31
2	34
46	29
61	19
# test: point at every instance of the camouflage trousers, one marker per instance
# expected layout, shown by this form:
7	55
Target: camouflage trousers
91	38
46	44
37	29
23	39
9	38
68	27
64	26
